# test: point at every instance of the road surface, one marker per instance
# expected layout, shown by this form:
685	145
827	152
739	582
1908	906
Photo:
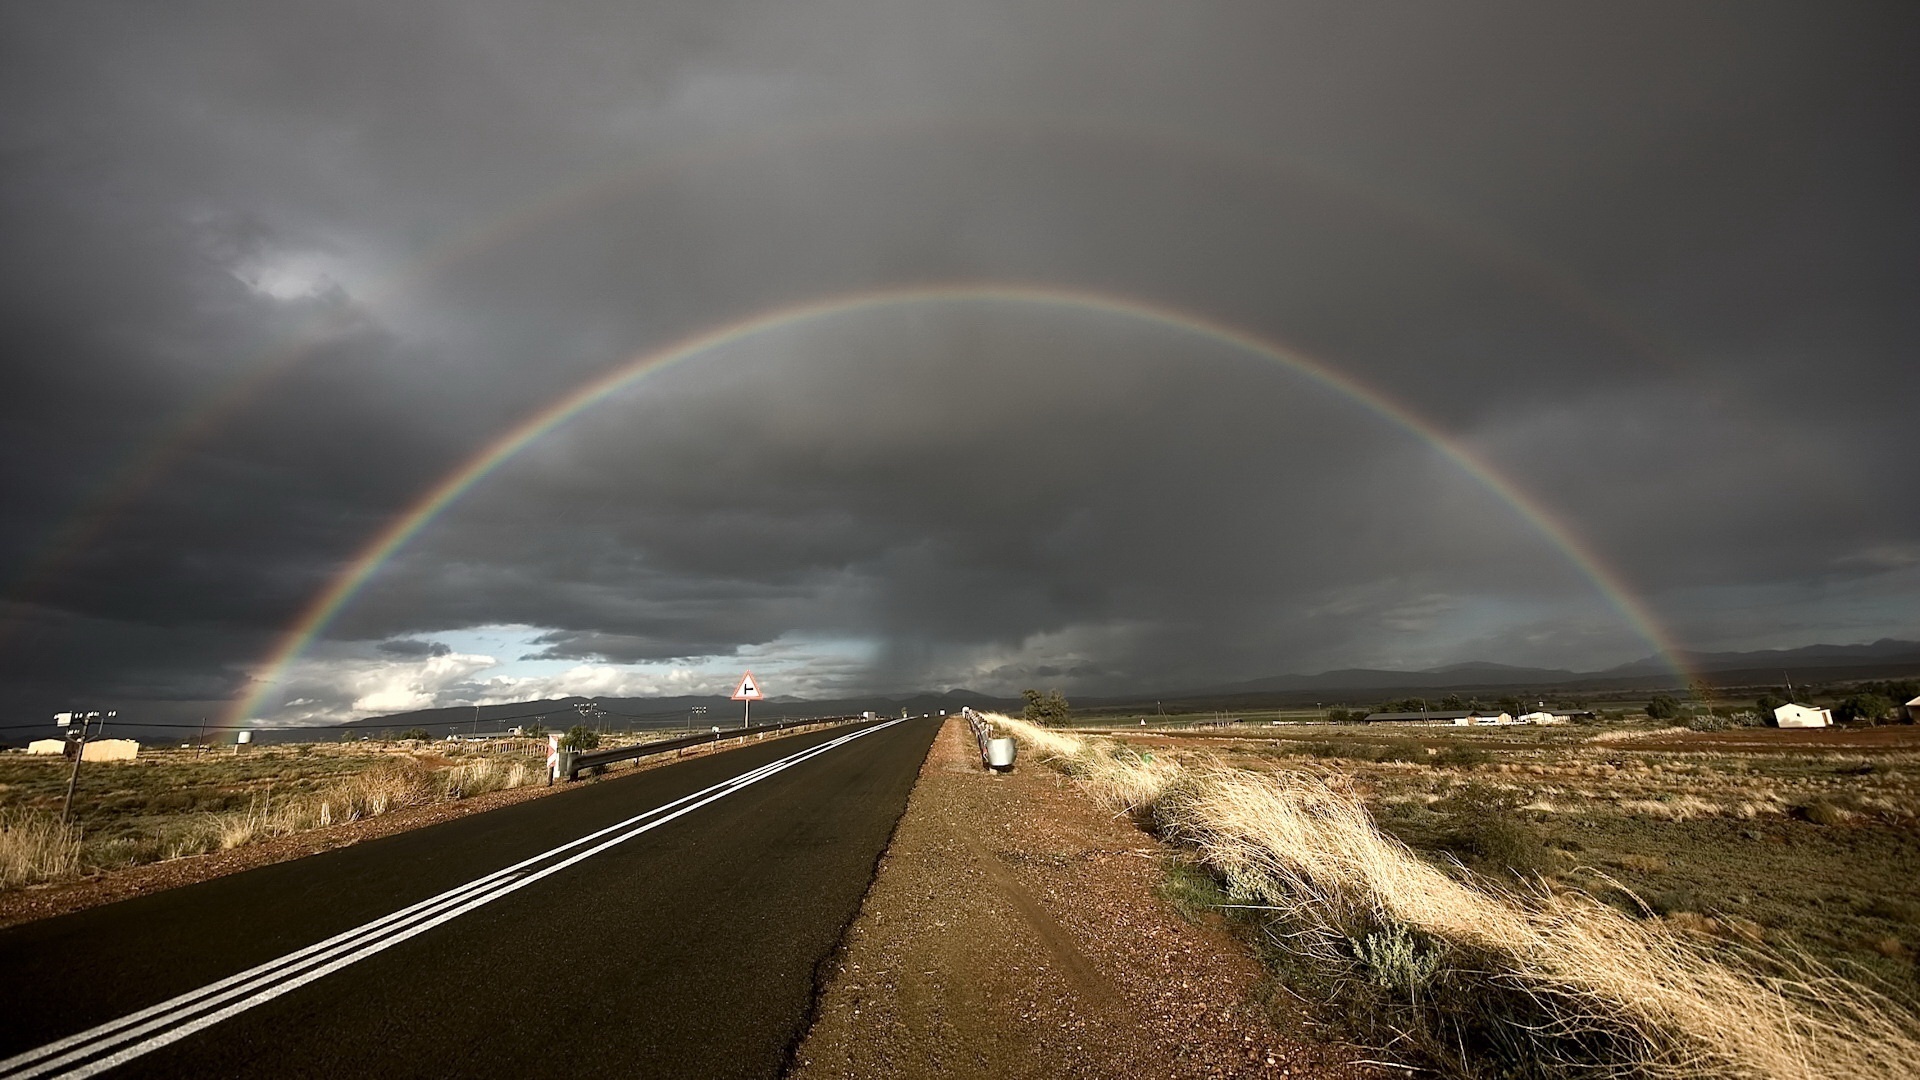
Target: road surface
667	923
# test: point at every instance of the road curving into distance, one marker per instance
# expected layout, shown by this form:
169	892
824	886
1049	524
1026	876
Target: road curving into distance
666	923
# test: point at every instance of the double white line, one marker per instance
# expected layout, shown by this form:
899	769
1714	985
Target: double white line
151	1028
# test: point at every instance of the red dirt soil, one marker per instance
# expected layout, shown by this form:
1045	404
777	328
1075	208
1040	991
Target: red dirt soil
1865	740
1014	931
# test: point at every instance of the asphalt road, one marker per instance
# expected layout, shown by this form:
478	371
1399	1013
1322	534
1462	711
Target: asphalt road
681	941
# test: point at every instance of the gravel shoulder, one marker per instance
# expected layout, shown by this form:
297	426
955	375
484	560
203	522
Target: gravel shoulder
1015	930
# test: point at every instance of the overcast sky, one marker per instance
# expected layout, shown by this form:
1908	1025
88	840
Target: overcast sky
269	272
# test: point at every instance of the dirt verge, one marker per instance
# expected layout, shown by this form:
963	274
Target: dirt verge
1014	930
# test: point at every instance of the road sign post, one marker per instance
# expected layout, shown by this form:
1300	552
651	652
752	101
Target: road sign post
747	691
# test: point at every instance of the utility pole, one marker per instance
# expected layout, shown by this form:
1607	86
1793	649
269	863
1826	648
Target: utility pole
79	744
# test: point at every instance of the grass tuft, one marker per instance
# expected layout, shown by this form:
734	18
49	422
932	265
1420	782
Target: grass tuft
36	846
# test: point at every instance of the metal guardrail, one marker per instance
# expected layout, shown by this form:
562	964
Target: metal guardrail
572	762
996	752
982	732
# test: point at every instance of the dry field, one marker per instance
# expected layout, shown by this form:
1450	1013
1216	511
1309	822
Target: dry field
1545	902
173	803
1804	840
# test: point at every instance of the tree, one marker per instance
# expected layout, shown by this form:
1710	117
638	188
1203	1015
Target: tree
1453	701
416	733
1663	707
1048	708
534	730
580	737
1872	708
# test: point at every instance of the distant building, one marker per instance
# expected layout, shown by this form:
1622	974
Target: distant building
1913	710
111	750
97	749
1456	717
1802	716
1543	718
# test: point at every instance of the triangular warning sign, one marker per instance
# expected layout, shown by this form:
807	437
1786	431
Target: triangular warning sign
748	690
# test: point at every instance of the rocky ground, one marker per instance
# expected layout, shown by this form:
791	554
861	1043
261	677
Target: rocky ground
1015	930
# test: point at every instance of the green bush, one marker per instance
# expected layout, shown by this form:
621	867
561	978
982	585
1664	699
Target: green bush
1193	892
415	733
1868	707
1049	708
580	737
1663	707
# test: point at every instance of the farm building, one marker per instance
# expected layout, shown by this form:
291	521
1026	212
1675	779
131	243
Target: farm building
111	750
1543	717
1456	717
97	749
1802	716
1913	710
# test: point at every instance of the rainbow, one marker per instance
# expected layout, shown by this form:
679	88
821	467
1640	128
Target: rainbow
327	605
144	467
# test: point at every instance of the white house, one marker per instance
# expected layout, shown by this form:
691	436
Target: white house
1913	710
47	746
1802	716
1543	717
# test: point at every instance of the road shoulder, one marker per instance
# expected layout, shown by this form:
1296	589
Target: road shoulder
1014	930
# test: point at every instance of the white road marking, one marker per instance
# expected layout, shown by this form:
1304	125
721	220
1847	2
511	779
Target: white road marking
267	981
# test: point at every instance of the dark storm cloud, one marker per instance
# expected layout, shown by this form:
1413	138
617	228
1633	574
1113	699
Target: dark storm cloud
1656	264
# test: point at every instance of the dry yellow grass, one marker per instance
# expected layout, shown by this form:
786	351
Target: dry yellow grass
387	787
1296	843
35	848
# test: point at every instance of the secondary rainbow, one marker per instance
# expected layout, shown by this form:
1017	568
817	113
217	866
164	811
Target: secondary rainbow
158	456
327	605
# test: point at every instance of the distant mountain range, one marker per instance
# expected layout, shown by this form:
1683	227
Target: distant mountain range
1882	651
1881	659
668	712
1886	658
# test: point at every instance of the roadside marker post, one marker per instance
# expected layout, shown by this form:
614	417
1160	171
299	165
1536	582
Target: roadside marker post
747	691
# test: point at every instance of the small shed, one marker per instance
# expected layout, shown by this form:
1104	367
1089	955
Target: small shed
111	750
47	746
1913	710
1802	716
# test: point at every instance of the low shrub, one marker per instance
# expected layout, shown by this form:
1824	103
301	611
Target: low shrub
1457	755
1193	892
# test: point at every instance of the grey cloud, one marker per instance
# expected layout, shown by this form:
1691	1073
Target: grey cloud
1654	264
414	648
